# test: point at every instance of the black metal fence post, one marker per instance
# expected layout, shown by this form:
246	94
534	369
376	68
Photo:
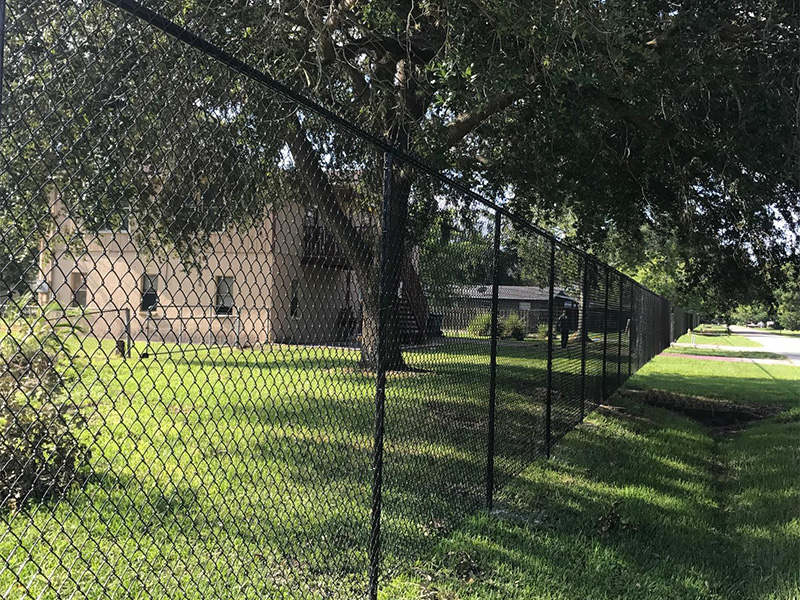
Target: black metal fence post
631	325
605	334
584	333
549	405
2	52
498	220
128	335
620	330
384	295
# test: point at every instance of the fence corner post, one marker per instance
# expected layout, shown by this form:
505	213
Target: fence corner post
498	221
549	402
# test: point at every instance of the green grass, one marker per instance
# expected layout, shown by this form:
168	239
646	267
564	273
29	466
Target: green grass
246	474
641	503
718	339
785	332
757	354
711	328
737	381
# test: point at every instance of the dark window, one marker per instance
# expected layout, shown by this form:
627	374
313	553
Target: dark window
77	283
149	291
224	299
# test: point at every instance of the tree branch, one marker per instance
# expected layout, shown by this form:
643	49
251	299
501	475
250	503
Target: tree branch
465	123
662	38
325	199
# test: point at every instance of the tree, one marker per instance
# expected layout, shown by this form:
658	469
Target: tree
788	297
676	119
673	115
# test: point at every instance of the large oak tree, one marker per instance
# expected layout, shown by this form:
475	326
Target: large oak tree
593	117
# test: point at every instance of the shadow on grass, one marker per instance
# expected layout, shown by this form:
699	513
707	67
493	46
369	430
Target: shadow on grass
619	513
642	503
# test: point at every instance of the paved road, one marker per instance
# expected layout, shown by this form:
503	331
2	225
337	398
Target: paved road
787	345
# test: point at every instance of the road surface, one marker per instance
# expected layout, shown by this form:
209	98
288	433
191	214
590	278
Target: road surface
788	345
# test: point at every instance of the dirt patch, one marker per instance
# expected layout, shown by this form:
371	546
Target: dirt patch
720	416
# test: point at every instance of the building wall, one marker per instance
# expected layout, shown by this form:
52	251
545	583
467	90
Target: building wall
264	262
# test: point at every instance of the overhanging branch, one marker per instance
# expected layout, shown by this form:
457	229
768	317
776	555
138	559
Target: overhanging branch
467	122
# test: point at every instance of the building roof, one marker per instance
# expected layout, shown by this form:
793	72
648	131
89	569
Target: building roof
523	293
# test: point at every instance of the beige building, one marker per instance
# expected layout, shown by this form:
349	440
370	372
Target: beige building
283	281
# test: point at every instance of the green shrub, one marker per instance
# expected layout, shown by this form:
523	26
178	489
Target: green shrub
40	456
513	327
542	330
480	324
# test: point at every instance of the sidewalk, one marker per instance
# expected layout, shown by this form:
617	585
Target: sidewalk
760	361
729	348
788	346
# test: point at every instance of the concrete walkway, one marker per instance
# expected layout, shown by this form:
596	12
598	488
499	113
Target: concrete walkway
718	347
760	361
787	345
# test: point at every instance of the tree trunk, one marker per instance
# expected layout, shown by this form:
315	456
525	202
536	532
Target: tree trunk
370	327
362	249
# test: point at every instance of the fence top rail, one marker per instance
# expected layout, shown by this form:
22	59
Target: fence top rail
197	42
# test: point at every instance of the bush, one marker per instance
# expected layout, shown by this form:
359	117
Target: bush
40	456
542	330
513	327
480	325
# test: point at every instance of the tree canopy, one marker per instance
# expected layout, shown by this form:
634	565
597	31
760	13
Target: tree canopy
597	119
601	119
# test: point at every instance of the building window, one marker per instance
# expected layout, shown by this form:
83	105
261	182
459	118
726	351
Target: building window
149	291
294	302
224	300
524	305
77	283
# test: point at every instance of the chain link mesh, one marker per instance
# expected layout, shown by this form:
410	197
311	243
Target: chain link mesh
244	350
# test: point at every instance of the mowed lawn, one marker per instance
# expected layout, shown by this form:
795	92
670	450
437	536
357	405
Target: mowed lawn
246	473
716	335
643	503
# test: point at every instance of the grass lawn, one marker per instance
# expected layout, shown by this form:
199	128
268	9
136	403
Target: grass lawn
786	332
719	352
642	503
718	339
737	381
246	474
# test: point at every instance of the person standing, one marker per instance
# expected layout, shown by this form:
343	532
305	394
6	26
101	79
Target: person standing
563	327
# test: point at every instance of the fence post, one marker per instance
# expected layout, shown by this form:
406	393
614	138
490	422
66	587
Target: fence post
605	333
619	330
128	336
238	328
632	322
380	382
498	218
584	333
2	53
549	405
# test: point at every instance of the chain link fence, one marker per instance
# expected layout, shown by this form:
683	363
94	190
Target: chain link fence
248	350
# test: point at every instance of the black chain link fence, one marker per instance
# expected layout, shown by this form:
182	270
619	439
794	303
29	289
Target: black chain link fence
248	350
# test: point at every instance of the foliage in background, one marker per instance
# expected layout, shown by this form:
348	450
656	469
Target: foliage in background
788	299
781	305
40	454
513	327
480	325
594	118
